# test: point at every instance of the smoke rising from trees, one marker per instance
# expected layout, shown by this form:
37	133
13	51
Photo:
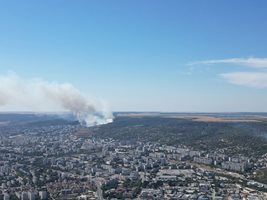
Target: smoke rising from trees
35	95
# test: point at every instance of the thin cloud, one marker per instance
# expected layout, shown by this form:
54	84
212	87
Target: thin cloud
250	79
250	62
256	78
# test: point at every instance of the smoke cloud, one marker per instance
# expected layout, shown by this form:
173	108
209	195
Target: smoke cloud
35	95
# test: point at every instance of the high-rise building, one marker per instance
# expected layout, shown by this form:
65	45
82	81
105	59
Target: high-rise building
31	195
6	196
24	196
43	195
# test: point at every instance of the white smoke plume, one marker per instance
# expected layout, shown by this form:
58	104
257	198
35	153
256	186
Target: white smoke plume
35	95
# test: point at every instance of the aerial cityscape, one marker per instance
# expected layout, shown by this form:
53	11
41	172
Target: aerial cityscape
138	156
142	100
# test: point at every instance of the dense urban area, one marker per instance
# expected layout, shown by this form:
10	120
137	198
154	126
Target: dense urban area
132	158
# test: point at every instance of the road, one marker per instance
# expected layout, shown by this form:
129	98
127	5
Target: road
99	190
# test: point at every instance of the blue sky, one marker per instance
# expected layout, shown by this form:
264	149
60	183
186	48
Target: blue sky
180	56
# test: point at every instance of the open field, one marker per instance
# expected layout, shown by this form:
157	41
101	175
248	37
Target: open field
202	117
220	119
